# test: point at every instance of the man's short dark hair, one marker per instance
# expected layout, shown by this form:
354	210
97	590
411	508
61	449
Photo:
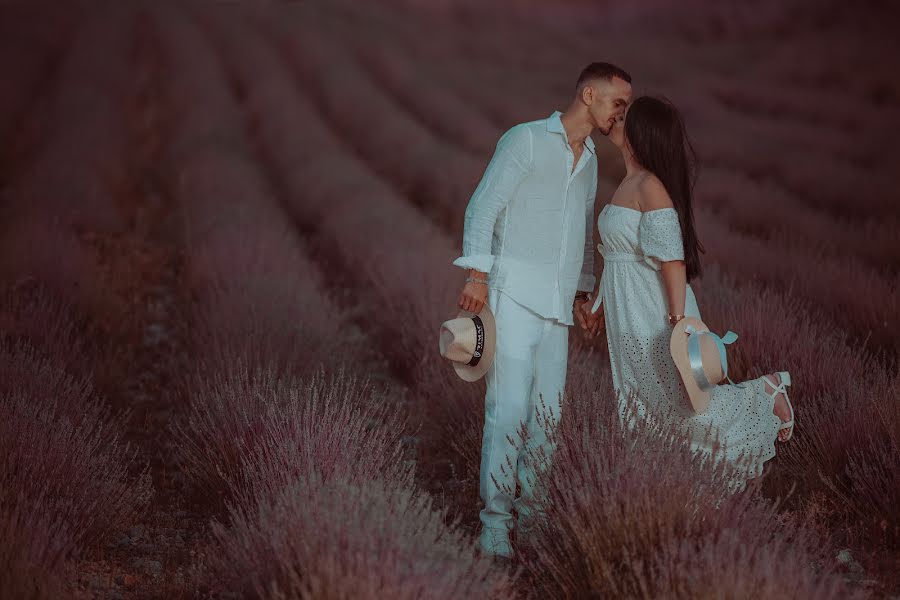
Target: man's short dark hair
601	70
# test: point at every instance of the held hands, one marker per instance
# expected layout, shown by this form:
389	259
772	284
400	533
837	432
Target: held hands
474	297
592	324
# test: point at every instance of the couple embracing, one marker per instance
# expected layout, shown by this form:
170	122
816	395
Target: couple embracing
528	249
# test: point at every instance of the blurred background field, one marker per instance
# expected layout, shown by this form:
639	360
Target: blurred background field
225	249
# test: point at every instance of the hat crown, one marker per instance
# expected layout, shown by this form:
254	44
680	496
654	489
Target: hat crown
459	339
469	342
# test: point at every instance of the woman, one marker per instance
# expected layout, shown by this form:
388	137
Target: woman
651	253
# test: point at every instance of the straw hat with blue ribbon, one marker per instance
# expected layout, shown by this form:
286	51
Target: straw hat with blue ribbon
699	355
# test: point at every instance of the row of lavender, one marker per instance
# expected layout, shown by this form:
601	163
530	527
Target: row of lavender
287	429
67	480
266	429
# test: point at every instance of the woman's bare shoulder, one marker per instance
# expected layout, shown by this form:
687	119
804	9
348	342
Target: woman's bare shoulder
652	194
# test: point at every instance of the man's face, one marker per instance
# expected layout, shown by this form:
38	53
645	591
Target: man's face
609	101
617	133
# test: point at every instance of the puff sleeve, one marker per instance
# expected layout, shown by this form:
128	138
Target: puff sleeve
659	237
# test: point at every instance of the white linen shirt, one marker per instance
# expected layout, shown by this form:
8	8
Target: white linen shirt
529	223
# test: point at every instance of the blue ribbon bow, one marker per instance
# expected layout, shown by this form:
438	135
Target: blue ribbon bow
696	358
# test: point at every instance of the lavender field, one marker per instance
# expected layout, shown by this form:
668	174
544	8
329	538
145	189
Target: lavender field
226	235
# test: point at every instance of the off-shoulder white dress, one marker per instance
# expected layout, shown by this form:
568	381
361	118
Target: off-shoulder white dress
633	244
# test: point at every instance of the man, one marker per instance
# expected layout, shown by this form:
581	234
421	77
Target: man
528	246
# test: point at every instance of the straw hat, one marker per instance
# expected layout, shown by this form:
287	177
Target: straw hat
468	341
700	358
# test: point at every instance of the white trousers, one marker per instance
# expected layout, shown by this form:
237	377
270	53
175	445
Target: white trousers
529	363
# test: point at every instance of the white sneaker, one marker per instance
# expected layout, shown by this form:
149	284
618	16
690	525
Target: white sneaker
495	541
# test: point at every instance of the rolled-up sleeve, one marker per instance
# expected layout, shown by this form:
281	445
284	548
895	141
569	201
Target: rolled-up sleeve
587	280
507	169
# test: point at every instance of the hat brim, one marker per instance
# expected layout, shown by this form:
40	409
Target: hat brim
475	373
678	347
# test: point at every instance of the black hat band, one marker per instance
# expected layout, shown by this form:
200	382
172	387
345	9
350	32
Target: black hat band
479	341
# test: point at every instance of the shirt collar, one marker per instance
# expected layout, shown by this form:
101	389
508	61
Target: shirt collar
554	123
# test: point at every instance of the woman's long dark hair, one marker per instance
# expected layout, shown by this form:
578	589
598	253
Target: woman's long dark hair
655	130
